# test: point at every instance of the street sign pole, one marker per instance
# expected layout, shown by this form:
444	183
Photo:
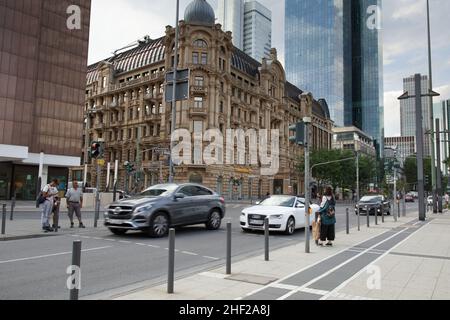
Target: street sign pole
307	182
174	93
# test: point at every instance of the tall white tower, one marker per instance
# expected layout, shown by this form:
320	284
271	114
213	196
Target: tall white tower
230	15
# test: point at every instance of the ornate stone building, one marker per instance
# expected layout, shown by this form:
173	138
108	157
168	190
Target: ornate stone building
228	90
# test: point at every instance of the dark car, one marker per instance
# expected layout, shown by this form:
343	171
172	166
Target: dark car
373	204
409	198
164	206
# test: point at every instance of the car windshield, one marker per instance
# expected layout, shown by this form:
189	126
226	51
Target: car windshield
158	191
279	201
370	199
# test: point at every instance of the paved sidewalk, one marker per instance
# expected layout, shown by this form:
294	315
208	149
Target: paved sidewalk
413	259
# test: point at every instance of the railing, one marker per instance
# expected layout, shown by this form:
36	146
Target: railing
199	90
198	111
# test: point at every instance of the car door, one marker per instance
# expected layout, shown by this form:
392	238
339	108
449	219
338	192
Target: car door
299	213
183	209
203	199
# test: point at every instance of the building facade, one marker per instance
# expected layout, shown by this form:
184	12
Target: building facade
257	30
334	50
42	90
228	90
230	15
353	139
441	112
400	147
250	24
408	112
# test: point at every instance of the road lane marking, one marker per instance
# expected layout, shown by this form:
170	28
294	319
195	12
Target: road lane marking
126	242
152	246
210	258
52	255
189	253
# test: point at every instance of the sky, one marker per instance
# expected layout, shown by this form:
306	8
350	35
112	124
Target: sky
117	23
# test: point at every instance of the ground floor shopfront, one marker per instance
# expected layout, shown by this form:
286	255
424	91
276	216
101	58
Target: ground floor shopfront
22	181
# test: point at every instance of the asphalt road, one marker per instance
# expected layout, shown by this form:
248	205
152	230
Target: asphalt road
35	269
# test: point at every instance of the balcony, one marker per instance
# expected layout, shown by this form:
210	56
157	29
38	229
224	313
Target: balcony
151	140
99	126
236	120
277	116
113	105
149	97
199	90
203	112
152	117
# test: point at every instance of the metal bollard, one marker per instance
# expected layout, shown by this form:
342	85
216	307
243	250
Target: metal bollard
368	216
76	262
398	210
171	273
394	214
359	218
376	215
4	219
347	219
266	239
97	209
228	248
13	206
382	214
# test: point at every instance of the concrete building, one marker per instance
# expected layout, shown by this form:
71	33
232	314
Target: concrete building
400	147
228	90
441	111
42	88
334	50
353	139
257	30
408	113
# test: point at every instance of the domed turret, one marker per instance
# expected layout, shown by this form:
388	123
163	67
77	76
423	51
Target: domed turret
199	12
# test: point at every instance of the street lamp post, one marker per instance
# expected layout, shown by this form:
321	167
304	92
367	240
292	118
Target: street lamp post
174	93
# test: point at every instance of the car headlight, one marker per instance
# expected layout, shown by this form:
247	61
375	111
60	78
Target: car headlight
142	209
276	216
242	214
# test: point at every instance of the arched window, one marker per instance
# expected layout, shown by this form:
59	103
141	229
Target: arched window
199	43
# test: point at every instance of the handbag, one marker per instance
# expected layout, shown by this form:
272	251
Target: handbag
316	229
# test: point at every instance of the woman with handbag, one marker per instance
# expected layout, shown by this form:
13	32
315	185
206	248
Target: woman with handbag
327	218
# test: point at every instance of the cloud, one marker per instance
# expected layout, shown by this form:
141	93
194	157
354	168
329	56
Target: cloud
392	113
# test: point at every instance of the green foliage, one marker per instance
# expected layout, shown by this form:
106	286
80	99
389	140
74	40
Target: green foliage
342	174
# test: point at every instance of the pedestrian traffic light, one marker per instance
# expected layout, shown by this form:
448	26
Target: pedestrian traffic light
129	167
96	150
299	133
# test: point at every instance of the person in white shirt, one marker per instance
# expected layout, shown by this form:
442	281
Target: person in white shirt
49	192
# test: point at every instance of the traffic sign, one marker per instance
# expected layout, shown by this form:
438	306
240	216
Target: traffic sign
182	89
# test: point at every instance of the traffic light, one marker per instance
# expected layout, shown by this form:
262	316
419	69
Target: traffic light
427	180
299	133
96	150
129	167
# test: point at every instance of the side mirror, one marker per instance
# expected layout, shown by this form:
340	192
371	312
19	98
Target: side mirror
179	196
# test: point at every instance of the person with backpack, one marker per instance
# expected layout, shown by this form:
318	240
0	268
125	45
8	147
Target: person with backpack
47	202
327	218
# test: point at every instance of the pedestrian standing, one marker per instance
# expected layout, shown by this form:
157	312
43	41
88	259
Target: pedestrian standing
74	198
48	193
327	218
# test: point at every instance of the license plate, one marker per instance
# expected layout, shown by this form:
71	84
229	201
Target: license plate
257	222
116	221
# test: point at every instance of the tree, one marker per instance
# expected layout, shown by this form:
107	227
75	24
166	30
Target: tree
341	174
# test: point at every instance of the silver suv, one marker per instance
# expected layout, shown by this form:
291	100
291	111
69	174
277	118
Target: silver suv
161	207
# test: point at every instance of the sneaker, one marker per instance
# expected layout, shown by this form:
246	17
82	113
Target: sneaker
82	226
71	225
329	244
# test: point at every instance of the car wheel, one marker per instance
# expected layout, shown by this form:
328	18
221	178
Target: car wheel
214	220
290	226
118	232
159	225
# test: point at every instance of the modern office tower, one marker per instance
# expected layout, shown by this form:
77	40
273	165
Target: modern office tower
43	63
333	49
441	111
408	114
257	30
230	15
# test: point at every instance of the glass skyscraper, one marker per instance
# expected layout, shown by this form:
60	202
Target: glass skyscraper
333	49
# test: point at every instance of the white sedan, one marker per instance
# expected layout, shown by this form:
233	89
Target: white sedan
286	214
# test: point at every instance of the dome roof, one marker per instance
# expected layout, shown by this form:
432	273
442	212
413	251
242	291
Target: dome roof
199	12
